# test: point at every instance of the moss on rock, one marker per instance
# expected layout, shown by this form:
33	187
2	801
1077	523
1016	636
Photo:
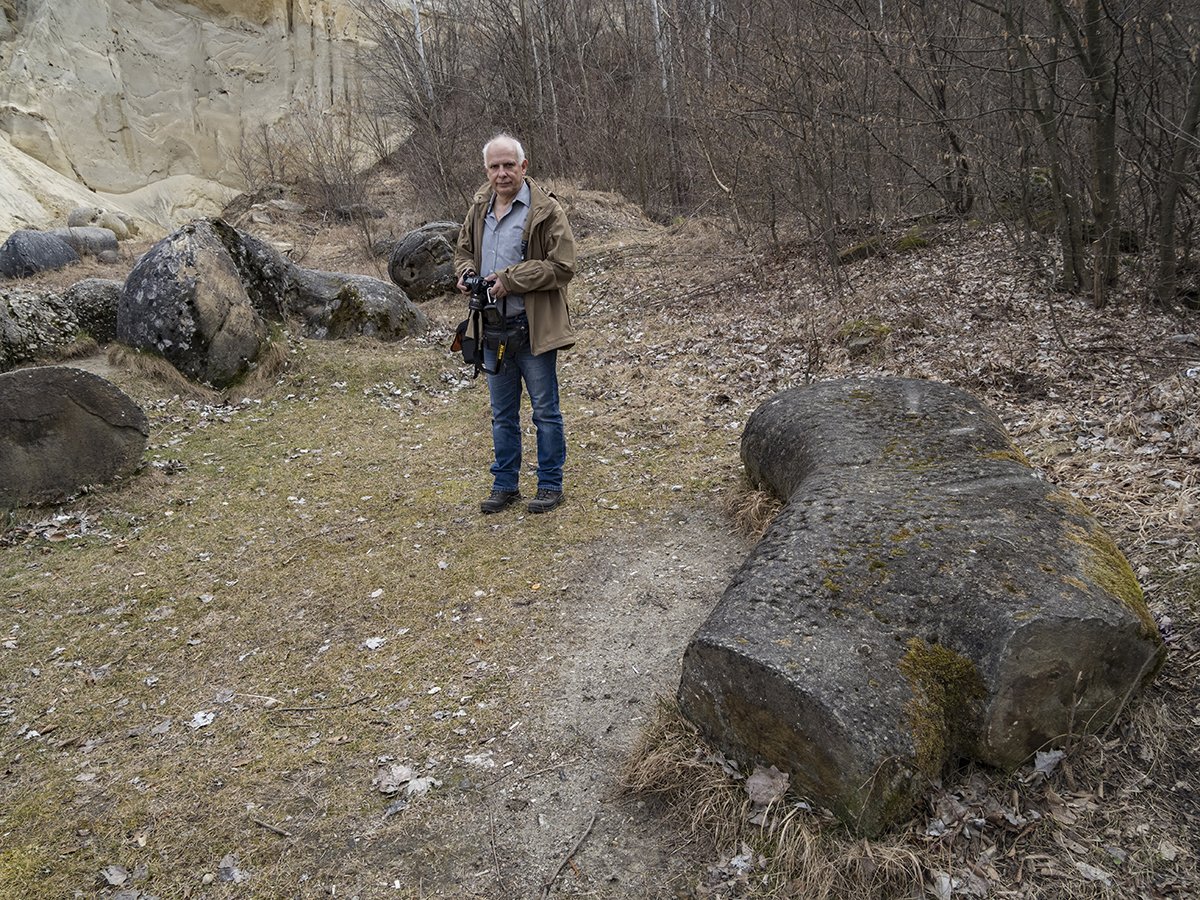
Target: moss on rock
913	239
1103	563
947	690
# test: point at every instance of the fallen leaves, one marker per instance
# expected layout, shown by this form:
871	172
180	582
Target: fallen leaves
765	787
391	778
202	719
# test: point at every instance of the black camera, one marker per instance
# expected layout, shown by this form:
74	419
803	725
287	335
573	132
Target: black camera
481	301
477	286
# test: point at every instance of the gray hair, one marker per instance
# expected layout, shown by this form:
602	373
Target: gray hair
504	137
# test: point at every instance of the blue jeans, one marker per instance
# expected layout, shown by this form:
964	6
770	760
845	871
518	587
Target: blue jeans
540	374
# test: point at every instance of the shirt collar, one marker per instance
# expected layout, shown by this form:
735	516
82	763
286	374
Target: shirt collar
524	195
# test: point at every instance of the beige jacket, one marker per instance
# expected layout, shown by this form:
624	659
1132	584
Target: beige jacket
543	275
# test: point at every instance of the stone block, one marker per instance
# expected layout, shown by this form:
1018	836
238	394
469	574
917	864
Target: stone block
924	596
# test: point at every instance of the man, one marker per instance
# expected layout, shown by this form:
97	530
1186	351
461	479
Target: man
516	235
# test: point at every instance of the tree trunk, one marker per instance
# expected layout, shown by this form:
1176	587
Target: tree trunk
1046	112
1101	70
419	41
1168	193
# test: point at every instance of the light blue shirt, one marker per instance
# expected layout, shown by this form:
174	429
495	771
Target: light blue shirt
502	243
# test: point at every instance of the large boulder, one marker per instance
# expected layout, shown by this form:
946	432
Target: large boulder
337	305
422	262
185	300
94	302
27	253
63	429
89	240
33	326
924	596
263	270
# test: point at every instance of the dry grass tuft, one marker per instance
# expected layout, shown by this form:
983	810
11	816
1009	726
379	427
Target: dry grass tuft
752	510
275	359
796	852
159	372
77	349
669	761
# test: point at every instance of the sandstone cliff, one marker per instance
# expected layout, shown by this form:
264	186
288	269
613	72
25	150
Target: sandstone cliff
141	104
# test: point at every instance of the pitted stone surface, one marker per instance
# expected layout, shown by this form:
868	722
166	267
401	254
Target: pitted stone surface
422	262
62	429
33	326
93	302
924	596
185	299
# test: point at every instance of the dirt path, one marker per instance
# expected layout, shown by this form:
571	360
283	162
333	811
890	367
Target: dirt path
550	785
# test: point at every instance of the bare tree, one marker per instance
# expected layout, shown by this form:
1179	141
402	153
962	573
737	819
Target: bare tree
838	115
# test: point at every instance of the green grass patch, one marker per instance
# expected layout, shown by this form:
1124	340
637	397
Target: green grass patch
306	568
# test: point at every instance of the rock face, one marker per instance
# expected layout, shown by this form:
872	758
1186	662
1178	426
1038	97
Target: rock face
26	253
94	302
63	429
336	305
179	82
185	300
33	326
924	596
422	262
203	297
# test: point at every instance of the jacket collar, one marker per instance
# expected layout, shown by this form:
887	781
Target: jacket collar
539	201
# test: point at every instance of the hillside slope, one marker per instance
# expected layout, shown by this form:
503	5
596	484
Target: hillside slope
290	658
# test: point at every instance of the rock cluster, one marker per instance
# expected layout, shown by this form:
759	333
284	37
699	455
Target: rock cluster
923	597
90	231
122	225
204	298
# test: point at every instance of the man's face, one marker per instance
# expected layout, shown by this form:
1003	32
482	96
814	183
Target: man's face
503	172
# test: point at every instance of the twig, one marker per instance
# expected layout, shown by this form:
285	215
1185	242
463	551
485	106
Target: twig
1144	357
566	859
553	768
1057	328
511	772
274	829
321	709
495	855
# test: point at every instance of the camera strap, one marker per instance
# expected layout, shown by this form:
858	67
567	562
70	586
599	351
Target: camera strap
483	337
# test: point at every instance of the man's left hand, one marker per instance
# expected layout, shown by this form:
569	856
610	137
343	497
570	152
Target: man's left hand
498	290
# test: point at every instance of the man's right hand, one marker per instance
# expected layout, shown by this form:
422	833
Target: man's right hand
462	288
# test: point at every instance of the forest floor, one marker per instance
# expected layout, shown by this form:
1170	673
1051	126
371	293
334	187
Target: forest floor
290	659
